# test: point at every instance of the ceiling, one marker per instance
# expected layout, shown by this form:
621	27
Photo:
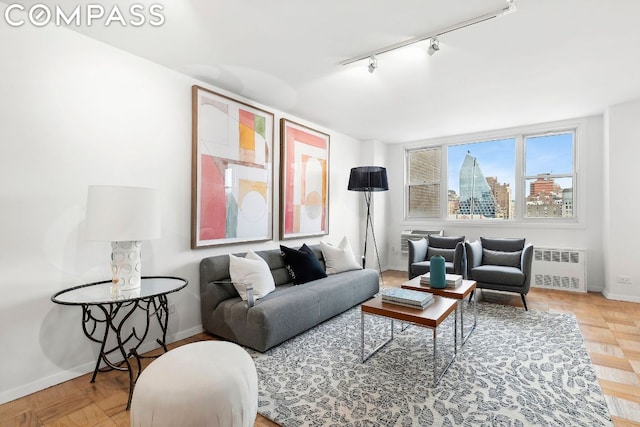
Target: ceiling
550	60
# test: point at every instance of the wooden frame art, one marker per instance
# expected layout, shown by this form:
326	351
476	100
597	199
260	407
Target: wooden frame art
232	171
304	181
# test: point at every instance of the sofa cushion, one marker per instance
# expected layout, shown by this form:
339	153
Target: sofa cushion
250	269
508	259
339	259
498	274
444	242
447	254
502	244
303	264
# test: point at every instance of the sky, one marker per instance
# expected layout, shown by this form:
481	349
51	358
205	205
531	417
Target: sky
544	154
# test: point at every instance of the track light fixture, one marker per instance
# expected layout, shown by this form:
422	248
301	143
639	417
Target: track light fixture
434	46
373	63
433	36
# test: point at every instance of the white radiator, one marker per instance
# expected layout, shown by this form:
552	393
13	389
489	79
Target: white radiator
414	235
562	269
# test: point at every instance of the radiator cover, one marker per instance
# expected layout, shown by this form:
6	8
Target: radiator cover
562	269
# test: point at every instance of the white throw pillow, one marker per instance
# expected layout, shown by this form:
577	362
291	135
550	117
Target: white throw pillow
251	269
339	259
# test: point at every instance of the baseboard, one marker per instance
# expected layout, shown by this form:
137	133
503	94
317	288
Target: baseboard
184	334
595	289
69	374
41	384
618	297
402	267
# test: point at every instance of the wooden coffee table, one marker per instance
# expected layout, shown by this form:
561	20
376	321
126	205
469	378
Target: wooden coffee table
431	317
459	293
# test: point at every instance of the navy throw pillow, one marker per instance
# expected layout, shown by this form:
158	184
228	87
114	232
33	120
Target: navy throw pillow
303	265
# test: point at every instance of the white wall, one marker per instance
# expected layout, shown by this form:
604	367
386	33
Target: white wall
586	235
622	151
76	112
373	153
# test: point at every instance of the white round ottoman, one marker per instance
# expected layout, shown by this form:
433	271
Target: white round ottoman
207	383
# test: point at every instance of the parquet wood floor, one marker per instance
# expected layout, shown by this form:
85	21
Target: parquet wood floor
611	330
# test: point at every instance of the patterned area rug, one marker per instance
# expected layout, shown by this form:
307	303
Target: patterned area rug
518	368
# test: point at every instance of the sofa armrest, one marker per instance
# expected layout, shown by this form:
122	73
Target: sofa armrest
213	293
225	289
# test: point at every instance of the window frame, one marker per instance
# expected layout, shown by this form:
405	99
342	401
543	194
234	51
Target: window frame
572	175
577	126
408	184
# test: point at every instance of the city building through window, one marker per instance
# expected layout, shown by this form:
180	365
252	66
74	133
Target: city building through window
481	177
487	180
549	175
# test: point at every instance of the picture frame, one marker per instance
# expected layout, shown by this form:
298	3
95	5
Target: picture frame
304	181
232	171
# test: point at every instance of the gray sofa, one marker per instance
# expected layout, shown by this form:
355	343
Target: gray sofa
283	313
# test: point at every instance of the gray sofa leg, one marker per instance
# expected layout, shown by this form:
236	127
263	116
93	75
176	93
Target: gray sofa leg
524	301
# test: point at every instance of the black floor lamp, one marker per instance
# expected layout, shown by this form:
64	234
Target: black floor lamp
368	179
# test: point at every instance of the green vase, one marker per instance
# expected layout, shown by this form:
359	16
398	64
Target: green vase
437	272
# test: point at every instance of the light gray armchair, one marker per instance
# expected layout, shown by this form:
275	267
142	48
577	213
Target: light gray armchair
500	264
421	251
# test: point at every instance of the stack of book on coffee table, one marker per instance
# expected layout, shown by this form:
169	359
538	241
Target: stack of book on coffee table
407	297
452	280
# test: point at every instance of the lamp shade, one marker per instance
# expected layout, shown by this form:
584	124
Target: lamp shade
120	214
368	178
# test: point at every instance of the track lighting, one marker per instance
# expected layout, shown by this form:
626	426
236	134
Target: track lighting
433	36
434	46
373	63
511	7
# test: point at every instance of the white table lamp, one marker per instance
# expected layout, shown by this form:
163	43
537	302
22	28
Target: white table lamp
123	216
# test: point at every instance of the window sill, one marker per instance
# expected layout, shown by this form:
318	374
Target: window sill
528	223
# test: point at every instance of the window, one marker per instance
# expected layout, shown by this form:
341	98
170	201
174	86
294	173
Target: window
423	178
549	175
481	179
518	176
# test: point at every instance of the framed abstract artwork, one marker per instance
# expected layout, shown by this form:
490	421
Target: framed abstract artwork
232	171
304	181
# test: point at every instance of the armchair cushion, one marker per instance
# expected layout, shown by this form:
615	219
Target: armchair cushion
499	274
508	259
417	250
502	244
420	268
444	242
447	254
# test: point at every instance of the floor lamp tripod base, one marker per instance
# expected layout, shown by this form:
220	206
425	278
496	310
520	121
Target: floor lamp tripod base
368	179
